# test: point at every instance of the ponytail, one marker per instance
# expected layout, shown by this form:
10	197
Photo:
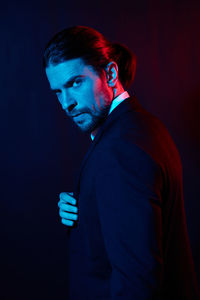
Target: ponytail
126	61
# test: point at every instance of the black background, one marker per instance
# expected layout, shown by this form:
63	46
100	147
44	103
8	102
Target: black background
41	150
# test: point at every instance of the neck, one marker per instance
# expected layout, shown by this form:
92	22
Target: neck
115	95
117	91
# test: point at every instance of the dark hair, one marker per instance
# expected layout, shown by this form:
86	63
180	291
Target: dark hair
95	50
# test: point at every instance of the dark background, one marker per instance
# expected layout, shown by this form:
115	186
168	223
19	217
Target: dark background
41	150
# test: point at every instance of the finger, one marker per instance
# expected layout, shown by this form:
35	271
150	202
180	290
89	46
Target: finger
67	222
64	194
67	216
68	207
72	201
63	204
67	198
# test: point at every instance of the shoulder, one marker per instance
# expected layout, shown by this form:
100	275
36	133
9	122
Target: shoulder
141	132
125	155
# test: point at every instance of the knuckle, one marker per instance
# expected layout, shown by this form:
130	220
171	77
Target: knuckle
63	214
61	194
60	213
61	206
64	206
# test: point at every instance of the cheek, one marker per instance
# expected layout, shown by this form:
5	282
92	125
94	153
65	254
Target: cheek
93	96
101	94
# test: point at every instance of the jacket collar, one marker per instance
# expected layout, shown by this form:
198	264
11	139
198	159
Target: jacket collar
128	104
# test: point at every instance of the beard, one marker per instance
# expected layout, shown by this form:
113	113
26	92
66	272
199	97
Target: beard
92	121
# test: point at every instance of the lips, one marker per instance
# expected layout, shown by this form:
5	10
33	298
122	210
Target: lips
74	115
77	115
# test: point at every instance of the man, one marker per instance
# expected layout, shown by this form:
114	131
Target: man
126	221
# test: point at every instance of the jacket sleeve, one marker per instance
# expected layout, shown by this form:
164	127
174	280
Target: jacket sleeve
128	193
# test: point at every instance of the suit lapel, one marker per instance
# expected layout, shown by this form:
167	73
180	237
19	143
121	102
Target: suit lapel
130	103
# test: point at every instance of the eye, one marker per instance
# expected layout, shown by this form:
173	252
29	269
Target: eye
77	82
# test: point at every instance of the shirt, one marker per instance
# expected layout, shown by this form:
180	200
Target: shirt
116	101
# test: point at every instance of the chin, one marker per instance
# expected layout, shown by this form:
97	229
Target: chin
91	124
88	128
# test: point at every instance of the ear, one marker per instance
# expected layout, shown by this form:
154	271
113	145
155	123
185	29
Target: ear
112	73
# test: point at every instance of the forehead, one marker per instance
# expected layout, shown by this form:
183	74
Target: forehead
62	72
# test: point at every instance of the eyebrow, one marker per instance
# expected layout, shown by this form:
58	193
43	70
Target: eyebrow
68	82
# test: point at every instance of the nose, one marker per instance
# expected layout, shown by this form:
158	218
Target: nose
68	106
68	103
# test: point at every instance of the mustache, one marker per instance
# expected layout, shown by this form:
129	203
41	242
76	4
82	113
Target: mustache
100	114
75	113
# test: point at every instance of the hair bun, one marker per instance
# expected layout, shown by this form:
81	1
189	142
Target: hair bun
126	61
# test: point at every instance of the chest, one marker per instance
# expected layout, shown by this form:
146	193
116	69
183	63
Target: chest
87	237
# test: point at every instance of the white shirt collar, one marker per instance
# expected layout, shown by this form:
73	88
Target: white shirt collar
116	101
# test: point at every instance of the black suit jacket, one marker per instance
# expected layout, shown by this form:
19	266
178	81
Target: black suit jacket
131	239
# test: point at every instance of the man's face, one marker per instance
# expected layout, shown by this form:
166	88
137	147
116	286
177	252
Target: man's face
83	94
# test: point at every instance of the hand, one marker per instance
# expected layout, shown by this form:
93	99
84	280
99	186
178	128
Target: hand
67	210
